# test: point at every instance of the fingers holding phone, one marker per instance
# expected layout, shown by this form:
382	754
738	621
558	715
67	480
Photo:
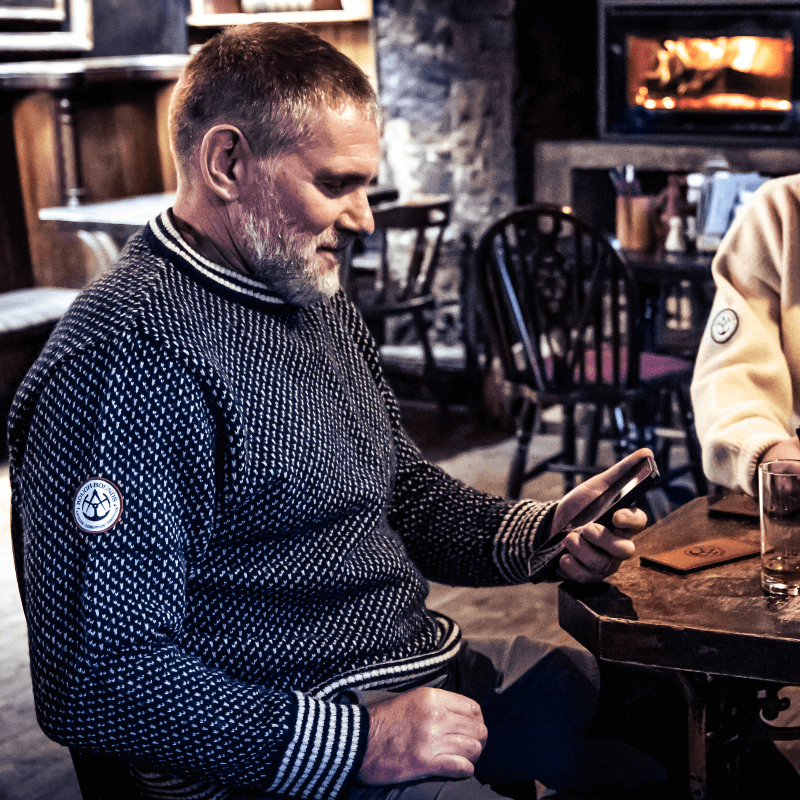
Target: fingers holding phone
597	498
593	523
593	552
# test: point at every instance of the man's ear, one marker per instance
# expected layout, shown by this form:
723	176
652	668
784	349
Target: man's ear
224	154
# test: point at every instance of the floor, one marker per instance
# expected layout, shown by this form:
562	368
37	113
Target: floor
34	768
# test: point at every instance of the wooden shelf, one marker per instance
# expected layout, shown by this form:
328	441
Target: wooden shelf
296	17
344	24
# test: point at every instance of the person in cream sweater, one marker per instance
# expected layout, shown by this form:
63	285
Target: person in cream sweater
747	374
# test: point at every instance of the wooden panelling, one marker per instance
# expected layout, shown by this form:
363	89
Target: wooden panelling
15	259
121	147
354	39
169	177
118	142
55	261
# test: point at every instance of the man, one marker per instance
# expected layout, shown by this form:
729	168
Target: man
747	375
225	526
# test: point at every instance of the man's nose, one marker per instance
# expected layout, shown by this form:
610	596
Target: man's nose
357	214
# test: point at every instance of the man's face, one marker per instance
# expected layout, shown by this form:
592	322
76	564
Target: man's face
304	207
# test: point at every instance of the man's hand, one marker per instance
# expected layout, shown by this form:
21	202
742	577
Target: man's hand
422	733
594	552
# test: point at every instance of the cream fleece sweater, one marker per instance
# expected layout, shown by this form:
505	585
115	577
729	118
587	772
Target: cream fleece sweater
747	374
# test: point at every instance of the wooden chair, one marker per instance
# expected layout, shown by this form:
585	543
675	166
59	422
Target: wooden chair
384	292
562	313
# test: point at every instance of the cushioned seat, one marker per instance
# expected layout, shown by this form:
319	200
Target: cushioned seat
26	311
652	366
27	317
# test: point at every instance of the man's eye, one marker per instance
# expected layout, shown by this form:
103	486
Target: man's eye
333	186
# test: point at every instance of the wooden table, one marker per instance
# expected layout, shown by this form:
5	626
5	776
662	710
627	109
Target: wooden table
733	646
676	292
83	128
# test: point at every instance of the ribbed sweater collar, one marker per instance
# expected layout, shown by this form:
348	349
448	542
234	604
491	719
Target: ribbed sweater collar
232	285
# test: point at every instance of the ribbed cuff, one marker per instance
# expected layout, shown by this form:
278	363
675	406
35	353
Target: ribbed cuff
326	751
517	536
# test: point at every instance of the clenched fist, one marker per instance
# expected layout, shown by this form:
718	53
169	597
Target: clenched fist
422	733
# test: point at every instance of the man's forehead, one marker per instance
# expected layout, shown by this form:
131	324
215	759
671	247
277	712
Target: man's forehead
330	122
343	142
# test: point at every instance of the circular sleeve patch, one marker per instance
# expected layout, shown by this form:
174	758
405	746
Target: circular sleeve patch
97	506
724	325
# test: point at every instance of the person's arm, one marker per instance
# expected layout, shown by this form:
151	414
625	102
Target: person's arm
458	535
742	385
433	733
113	634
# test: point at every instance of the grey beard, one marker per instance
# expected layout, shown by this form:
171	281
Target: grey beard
284	260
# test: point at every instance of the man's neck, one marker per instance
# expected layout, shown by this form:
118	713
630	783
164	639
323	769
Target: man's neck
202	244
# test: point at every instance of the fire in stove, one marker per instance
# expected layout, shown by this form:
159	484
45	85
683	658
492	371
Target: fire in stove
725	73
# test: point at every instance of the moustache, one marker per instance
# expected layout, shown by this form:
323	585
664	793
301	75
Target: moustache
337	241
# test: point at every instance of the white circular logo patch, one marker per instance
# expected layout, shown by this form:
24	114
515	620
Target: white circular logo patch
724	325
97	506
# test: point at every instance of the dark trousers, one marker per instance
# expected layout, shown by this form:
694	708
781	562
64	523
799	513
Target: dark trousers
539	704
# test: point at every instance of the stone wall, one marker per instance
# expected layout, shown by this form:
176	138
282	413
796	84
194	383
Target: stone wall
447	76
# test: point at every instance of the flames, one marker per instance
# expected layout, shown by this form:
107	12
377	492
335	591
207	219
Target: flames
723	73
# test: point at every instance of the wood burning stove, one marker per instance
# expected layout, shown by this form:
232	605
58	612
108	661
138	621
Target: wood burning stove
703	70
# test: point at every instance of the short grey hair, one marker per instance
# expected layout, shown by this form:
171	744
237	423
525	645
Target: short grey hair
269	80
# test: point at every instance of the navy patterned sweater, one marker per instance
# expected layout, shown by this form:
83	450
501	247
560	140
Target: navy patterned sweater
224	526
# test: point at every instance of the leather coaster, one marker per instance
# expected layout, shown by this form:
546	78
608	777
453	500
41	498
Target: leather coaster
702	554
735	506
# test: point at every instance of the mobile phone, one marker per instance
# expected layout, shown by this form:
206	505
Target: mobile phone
623	493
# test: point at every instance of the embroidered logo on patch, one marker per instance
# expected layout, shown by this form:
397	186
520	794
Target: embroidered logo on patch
724	325
97	506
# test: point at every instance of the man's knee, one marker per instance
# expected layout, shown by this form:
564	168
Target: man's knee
565	679
523	658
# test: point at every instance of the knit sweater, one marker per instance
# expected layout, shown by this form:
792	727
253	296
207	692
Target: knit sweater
225	526
746	385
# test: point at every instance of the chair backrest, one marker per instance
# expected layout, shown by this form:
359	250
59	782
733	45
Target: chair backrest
562	307
428	218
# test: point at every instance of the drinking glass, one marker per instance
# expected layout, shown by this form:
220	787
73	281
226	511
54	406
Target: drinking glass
779	504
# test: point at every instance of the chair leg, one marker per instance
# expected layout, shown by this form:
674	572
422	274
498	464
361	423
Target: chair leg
692	443
432	375
569	448
593	439
622	430
525	428
661	445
